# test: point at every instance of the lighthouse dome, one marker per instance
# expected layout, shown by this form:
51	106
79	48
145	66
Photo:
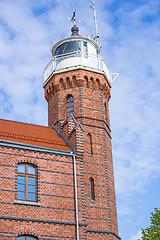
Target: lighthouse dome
76	52
75	44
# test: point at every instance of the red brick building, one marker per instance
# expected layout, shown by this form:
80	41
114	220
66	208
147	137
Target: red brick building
57	182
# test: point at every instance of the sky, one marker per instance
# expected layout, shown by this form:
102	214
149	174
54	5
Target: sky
130	41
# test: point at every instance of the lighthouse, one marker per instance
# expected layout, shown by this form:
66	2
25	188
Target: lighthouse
77	87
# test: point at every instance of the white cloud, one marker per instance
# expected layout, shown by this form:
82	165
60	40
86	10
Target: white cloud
135	101
24	48
137	236
130	38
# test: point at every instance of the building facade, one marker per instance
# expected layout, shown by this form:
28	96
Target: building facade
57	182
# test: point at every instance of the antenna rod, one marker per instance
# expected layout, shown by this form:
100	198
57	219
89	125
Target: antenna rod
92	5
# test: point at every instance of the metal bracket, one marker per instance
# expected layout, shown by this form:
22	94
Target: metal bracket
114	76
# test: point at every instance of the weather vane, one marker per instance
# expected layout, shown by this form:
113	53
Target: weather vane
74	19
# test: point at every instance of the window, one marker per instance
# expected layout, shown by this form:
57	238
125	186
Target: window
69	48
105	109
90	144
86	80
85	49
68	82
106	112
26	182
92	192
24	237
70	105
74	81
98	83
92	82
61	83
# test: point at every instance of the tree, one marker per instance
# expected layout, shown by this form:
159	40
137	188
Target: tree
152	232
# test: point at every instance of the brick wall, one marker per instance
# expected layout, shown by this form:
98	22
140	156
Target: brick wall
91	93
54	215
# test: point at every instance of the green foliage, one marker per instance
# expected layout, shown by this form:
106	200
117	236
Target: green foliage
153	232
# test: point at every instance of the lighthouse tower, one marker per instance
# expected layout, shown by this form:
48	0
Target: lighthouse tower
77	86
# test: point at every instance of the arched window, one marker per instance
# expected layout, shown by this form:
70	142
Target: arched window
52	87
27	182
25	237
61	83
70	105
90	144
92	82
98	83
105	109
92	191
68	82
86	80
74	81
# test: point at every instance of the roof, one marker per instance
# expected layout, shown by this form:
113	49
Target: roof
31	134
74	38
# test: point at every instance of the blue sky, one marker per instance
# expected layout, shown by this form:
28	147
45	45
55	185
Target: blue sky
130	39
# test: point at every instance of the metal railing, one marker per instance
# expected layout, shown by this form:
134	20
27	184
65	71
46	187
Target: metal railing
76	59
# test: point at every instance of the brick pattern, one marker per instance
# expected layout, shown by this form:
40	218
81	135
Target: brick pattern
77	79
91	93
53	215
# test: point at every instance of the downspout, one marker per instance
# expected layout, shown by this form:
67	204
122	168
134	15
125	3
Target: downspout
75	175
76	199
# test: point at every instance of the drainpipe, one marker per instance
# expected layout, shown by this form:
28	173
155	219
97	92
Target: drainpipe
76	199
75	175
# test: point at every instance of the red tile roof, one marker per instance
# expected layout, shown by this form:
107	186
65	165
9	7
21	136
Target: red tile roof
31	134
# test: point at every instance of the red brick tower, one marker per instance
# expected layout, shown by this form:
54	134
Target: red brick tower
77	89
